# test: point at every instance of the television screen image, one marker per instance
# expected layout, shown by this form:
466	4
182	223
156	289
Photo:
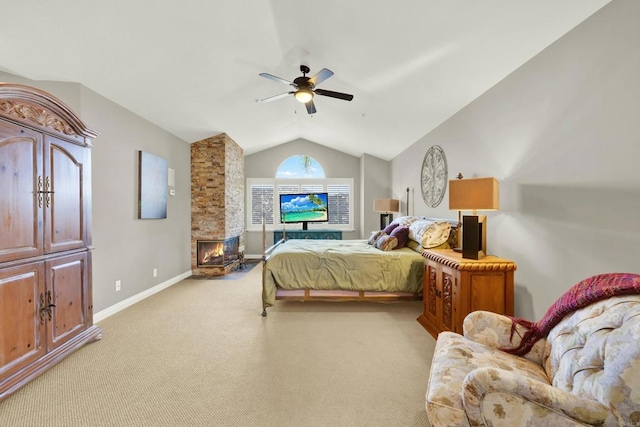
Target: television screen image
304	208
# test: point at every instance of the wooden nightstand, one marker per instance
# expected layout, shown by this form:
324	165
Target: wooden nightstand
454	286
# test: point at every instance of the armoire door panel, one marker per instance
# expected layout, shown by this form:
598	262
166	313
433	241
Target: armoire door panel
64	208
21	213
20	290
67	279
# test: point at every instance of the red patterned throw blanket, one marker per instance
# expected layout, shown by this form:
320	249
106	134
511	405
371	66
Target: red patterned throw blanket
586	292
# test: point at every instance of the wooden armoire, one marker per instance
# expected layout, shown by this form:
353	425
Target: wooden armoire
46	308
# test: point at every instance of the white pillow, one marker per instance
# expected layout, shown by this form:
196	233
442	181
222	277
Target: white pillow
405	220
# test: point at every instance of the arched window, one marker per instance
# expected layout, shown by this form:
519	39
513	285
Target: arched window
300	166
299	174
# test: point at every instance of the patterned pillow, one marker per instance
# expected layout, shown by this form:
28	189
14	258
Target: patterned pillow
386	243
402	234
414	245
375	235
429	233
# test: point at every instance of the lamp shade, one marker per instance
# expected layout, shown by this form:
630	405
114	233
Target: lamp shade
386	205
474	194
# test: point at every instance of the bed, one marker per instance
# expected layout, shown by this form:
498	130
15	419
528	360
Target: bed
354	270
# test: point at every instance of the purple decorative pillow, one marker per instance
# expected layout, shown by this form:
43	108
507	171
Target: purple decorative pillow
389	228
402	234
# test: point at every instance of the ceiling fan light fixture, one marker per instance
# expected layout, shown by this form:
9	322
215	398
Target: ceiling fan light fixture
305	88
304	95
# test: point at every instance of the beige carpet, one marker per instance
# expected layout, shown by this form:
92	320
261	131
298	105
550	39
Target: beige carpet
200	354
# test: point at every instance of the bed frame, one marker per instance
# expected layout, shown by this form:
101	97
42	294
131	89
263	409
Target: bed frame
336	295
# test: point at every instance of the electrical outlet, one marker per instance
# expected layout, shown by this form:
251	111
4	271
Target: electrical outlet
118	285
155	272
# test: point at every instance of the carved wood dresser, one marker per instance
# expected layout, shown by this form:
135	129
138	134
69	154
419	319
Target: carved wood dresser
454	286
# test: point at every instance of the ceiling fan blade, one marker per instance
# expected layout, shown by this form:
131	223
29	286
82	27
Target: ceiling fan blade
273	98
276	79
333	94
311	108
321	76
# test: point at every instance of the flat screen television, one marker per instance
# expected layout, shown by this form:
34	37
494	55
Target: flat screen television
304	208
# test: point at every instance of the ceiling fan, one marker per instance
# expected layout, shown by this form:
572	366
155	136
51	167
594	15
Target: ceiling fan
305	88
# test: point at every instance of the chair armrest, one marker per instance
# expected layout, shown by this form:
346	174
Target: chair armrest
494	330
500	396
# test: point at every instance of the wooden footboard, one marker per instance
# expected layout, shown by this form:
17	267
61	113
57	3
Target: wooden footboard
341	295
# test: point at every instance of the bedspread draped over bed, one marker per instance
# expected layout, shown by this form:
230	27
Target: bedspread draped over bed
323	264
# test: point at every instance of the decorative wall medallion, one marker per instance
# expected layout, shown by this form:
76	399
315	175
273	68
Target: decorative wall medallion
434	176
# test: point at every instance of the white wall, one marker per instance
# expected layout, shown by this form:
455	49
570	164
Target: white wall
126	248
562	135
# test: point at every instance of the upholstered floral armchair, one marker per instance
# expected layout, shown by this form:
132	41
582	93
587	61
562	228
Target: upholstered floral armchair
584	371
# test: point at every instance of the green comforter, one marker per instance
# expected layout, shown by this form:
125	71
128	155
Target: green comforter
340	264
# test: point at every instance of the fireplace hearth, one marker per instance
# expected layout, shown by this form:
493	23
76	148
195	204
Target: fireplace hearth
217	253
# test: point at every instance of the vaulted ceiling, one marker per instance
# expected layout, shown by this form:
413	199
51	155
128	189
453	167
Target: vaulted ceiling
192	67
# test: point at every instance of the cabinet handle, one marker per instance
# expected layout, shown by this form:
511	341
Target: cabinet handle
47	190
49	298
45	308
438	293
42	309
39	191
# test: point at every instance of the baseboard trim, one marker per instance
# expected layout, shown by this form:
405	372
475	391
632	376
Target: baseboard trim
110	311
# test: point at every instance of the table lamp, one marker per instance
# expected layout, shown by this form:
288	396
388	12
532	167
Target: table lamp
385	207
474	194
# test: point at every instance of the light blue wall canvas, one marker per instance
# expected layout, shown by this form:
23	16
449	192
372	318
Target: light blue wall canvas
152	186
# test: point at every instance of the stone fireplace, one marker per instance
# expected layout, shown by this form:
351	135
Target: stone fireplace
217	205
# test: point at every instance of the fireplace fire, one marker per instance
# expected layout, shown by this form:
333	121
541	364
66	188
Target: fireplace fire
217	253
